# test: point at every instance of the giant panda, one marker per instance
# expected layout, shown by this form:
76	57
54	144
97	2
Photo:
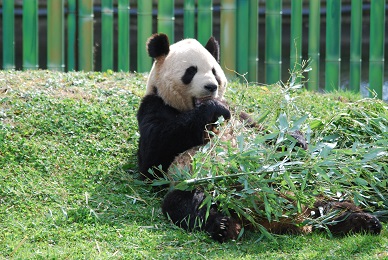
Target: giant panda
184	95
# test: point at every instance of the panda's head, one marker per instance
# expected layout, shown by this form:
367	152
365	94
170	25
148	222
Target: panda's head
185	73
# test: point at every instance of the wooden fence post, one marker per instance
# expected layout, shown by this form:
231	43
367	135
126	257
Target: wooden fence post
253	40
189	19
144	30
71	35
273	41
85	35
296	35
166	19
314	44
242	36
55	35
8	35
123	35
333	45
205	20
30	35
228	37
355	45
106	35
376	52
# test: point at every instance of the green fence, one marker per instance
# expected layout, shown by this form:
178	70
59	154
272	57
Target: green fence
71	35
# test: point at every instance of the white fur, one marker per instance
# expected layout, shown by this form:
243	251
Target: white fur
167	71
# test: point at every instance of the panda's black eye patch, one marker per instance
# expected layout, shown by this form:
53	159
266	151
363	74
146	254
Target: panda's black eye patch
217	77
189	74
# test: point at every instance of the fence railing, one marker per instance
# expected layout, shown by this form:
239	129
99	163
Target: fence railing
71	45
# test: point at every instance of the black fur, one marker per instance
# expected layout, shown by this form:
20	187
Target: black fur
189	74
217	77
158	45
213	47
166	132
184	209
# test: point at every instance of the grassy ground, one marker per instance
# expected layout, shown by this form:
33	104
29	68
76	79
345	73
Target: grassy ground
68	172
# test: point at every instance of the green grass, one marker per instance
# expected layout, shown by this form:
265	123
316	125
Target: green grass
68	173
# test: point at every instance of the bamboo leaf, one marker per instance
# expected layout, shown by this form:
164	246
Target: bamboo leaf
374	154
283	122
297	124
361	181
316	123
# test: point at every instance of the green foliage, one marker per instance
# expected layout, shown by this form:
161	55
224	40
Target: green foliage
68	173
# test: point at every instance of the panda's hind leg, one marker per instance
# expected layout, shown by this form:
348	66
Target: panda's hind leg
184	209
356	222
350	219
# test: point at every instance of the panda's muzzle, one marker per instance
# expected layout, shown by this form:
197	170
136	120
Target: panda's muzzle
198	101
211	88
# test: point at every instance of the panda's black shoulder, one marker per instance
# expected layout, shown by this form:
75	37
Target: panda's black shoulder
152	101
153	105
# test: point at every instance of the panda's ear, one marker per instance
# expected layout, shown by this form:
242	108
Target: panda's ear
158	45
213	47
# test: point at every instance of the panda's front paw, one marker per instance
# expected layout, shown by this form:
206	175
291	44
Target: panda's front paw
219	109
225	228
222	111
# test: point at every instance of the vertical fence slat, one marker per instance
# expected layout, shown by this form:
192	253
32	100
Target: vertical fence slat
242	36
30	34
273	41
296	35
314	44
85	32
166	18
333	44
8	35
355	45
71	35
189	19
55	35
253	40
123	35
205	20
107	35
376	57
228	37
144	30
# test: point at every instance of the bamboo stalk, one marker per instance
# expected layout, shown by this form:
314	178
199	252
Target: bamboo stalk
253	41
166	18
205	20
55	35
273	41
8	35
30	35
123	36
355	45
333	44
107	35
376	57
314	44
296	36
228	37
144	31
85	29
242	36
189	19
71	35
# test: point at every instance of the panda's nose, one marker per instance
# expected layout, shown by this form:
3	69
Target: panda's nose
211	87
